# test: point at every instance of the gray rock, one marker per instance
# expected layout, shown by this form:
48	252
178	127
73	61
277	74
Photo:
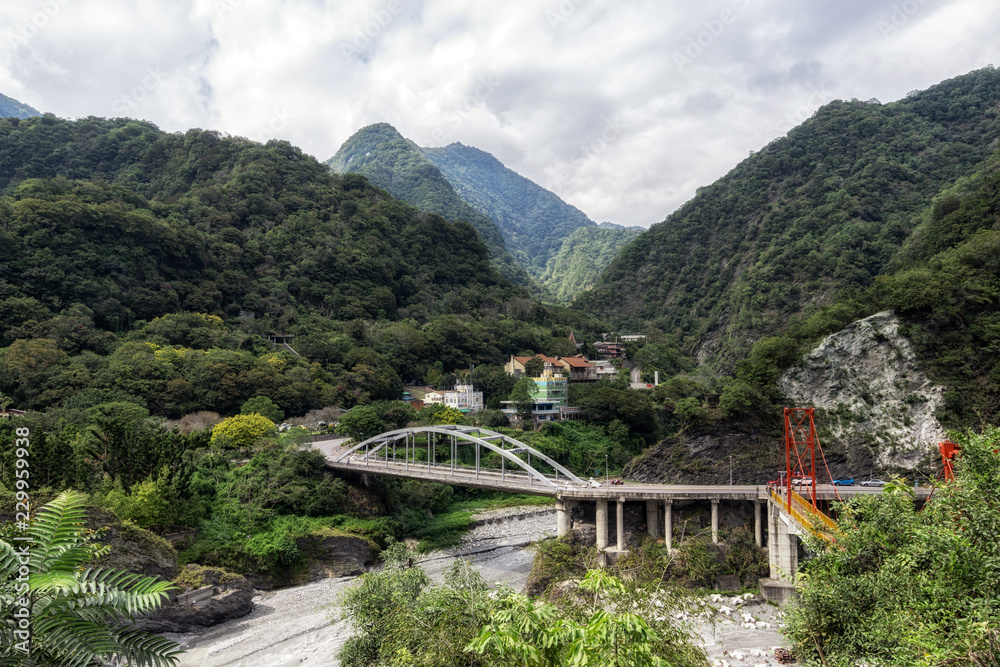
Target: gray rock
868	377
331	555
234	599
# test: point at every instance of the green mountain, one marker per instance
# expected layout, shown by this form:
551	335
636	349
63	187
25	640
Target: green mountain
511	212
812	217
533	220
392	162
11	108
582	256
133	222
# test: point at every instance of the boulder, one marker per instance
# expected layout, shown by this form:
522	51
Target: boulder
330	553
232	597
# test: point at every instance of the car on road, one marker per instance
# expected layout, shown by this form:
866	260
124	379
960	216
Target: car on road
844	481
873	482
802	481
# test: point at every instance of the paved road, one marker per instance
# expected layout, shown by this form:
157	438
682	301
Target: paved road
519	481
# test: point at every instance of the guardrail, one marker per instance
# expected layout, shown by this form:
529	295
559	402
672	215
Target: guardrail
815	522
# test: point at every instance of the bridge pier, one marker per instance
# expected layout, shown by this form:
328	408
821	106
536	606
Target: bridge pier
620	520
602	524
564	519
715	521
668	524
757	528
652	512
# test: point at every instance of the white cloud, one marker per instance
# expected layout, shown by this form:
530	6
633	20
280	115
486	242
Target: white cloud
623	110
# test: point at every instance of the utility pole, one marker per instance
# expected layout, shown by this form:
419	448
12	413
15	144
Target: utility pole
607	472
730	470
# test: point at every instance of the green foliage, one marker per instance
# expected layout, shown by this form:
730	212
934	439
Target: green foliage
635	409
11	108
79	615
690	411
151	503
463	623
903	587
263	406
525	633
389	161
522	394
360	423
822	210
449	416
173	204
242	431
580	258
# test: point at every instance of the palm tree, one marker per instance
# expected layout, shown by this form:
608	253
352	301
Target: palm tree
78	615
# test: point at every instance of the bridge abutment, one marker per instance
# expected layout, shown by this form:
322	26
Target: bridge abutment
783	546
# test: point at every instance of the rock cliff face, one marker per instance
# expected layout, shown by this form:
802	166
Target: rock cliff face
868	380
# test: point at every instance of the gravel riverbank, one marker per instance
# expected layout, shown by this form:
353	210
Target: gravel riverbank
298	626
293	626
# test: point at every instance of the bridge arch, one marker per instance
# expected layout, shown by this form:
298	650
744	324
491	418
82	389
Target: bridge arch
483	438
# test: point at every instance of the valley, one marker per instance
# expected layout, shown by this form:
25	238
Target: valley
182	314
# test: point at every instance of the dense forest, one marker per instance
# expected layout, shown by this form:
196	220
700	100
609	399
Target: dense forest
11	108
819	213
396	164
561	249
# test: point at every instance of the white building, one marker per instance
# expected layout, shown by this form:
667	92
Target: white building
463	398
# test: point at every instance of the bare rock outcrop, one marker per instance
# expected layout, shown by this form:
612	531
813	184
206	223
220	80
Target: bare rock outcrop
867	378
227	596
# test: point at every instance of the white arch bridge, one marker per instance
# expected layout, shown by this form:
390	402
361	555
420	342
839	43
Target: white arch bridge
432	453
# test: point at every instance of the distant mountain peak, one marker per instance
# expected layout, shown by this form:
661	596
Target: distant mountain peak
11	108
528	221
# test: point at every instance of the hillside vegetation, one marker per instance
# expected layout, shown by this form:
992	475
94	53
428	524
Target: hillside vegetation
11	108
557	245
392	162
576	267
820	211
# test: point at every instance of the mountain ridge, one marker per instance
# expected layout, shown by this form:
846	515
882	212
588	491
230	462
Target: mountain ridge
470	183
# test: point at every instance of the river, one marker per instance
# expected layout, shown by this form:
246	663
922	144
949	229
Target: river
300	625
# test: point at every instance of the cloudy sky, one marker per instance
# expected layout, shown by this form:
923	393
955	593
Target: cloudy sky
621	108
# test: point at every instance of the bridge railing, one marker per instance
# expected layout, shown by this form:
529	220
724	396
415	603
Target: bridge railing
810	519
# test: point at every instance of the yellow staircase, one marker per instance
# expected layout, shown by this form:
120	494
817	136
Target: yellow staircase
807	517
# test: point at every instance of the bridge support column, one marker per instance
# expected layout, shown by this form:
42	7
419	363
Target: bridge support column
782	547
652	511
602	524
715	522
563	519
621	525
668	524
757	528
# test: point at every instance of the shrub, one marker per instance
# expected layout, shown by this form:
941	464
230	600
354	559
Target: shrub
242	431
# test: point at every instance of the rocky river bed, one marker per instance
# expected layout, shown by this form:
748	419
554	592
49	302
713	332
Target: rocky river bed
301	625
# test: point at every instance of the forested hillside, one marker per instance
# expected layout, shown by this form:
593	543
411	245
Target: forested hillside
174	255
11	108
820	211
392	162
533	220
511	212
582	256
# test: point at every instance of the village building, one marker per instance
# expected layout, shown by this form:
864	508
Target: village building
464	398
